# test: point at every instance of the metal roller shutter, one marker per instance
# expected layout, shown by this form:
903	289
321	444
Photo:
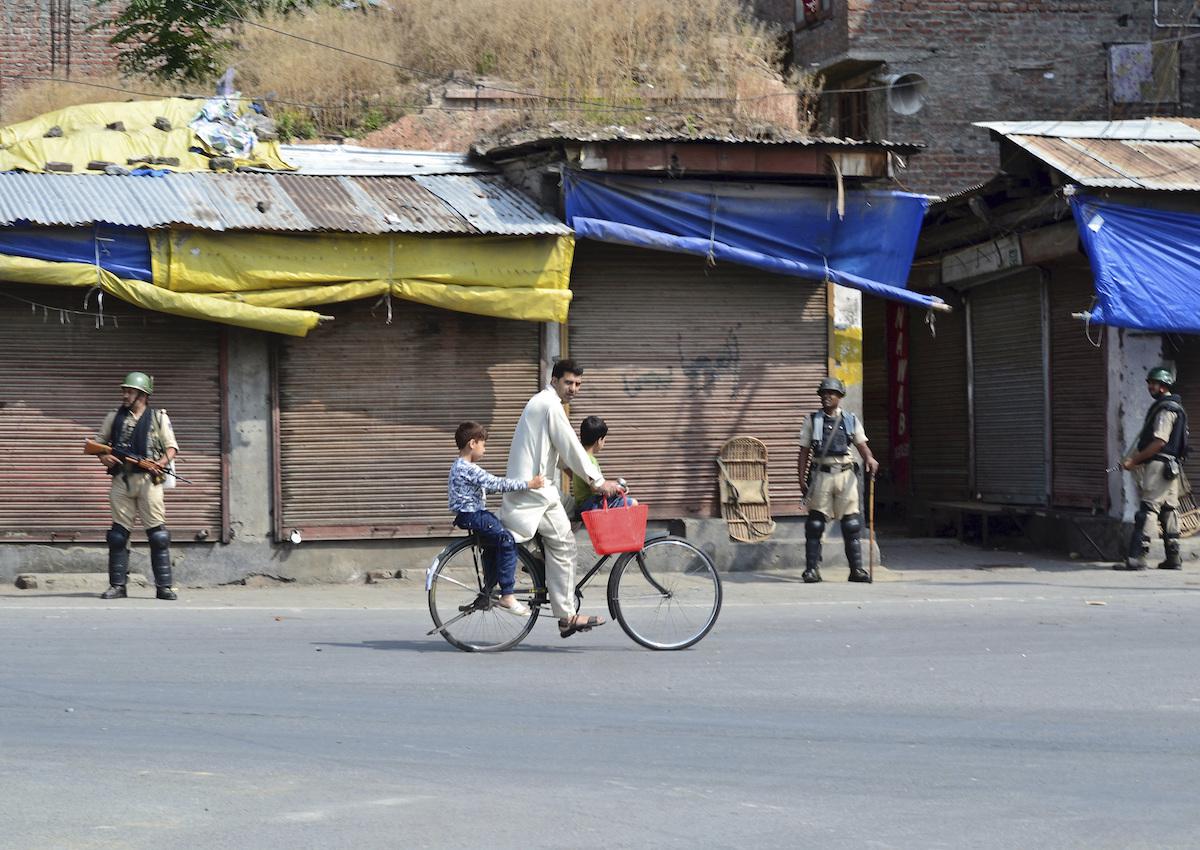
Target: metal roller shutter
1008	353
680	357
1078	396
938	407
59	379
367	412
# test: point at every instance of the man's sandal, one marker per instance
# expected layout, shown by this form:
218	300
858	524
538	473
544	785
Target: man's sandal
569	626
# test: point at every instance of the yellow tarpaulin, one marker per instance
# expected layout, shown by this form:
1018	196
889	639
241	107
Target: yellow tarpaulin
511	277
260	281
85	138
151	297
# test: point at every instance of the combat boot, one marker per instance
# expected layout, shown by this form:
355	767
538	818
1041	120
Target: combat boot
812	562
851	527
1139	545
814	530
160	561
118	562
1172	561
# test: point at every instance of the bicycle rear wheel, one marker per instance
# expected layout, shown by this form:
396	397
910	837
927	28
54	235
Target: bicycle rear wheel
667	596
467	615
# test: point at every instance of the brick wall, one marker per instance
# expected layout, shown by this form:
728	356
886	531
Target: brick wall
1001	61
49	38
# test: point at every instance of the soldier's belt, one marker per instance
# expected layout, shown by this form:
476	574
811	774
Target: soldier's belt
834	467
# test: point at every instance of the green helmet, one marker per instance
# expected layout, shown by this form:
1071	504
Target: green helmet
139	381
832	384
1162	375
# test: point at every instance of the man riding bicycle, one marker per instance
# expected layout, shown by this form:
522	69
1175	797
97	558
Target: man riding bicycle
543	443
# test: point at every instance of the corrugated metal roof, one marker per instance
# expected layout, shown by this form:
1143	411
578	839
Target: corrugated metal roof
519	143
486	202
1152	129
376	162
276	202
1160	154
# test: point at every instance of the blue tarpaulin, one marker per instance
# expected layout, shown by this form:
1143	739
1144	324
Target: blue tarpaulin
124	251
1145	262
785	229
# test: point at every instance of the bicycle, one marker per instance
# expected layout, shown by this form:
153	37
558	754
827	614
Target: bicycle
666	596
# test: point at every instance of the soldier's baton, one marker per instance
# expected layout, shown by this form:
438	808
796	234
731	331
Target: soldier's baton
871	528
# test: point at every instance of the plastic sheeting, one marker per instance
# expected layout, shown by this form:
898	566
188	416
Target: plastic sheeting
85	138
261	281
784	229
1145	263
150	297
124	251
506	277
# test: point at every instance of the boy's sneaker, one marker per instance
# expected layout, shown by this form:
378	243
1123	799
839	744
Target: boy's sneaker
517	609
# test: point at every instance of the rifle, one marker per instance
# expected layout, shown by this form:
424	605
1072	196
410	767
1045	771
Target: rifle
92	447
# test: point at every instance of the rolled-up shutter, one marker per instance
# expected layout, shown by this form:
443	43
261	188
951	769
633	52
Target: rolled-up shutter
60	374
1008	350
938	410
367	412
679	357
1078	395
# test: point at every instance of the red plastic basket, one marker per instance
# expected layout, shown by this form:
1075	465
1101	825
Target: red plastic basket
616	529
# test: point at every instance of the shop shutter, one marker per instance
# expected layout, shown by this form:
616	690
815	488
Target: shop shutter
59	378
679	357
937	377
1078	395
1008	354
367	412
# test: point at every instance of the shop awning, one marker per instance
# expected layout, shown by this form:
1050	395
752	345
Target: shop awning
784	229
1145	262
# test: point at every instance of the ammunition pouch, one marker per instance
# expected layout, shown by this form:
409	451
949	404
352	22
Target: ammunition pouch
1170	466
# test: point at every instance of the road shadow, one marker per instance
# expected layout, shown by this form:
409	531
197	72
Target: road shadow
43	595
435	644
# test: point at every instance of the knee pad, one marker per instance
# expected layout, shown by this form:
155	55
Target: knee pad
814	526
159	537
851	525
117	537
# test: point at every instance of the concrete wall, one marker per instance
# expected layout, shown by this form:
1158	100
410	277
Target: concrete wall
1131	354
1011	61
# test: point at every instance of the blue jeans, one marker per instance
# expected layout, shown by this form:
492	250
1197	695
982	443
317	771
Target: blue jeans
596	501
499	548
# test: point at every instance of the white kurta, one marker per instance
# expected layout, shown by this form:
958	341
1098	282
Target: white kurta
542	444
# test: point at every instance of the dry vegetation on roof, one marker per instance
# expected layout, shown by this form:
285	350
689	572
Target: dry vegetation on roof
23	103
598	62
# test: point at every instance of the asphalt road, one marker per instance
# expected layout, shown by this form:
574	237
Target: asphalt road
961	709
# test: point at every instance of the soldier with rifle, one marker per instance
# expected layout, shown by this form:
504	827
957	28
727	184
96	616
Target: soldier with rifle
829	480
141	443
1156	464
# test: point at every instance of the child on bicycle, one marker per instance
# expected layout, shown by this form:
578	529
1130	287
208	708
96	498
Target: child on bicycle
468	488
592	432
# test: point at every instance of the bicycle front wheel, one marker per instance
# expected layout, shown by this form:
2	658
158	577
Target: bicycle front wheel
667	596
465	612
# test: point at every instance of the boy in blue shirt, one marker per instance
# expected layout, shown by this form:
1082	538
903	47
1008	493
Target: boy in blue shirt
469	485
